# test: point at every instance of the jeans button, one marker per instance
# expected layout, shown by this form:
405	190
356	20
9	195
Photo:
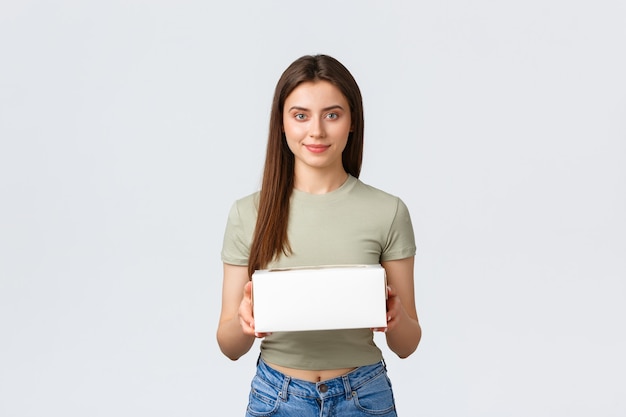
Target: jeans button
323	387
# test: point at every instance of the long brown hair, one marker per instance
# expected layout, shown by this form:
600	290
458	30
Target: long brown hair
270	235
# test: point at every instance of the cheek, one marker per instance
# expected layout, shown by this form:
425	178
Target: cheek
291	143
344	144
346	134
292	130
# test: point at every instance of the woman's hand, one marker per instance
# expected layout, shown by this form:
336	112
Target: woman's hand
403	331
395	311
235	332
246	318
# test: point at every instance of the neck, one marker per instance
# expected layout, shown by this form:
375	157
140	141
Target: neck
315	181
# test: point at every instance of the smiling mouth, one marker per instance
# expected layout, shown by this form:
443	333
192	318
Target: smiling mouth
317	148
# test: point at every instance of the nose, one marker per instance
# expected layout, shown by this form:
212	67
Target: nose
317	128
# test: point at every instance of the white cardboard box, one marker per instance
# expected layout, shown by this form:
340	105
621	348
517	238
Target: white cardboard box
324	298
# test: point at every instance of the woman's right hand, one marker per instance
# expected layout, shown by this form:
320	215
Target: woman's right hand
235	332
246	317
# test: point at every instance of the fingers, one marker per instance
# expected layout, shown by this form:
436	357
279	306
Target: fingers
246	315
247	291
391	292
394	308
246	318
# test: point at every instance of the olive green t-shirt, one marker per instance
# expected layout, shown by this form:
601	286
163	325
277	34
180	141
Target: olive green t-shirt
355	224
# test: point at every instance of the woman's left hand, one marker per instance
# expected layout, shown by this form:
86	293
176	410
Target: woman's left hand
394	310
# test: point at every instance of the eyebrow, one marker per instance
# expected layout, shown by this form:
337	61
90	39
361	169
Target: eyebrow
333	107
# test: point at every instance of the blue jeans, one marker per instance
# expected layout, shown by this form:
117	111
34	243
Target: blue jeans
366	391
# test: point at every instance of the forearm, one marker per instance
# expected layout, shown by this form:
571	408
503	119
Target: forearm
233	342
405	336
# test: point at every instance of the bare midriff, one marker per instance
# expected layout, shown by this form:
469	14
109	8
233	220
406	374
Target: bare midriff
311	376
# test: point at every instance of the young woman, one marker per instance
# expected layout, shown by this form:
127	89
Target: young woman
311	211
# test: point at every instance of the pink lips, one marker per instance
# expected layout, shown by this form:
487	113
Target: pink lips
316	148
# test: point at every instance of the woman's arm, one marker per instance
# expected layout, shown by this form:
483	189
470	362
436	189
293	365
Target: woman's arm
235	332
403	329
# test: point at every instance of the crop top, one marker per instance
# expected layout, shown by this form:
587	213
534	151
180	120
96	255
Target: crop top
355	224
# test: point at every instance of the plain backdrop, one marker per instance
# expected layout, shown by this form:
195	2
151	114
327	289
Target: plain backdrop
128	128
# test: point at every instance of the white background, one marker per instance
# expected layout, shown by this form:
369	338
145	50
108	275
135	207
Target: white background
128	128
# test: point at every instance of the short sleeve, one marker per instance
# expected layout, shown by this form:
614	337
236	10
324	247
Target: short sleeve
237	240
400	242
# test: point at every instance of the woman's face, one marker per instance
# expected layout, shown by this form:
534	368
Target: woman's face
317	122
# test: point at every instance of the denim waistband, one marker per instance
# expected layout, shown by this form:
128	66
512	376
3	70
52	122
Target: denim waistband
342	385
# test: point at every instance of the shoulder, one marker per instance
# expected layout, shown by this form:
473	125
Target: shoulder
375	195
247	205
244	210
364	188
380	202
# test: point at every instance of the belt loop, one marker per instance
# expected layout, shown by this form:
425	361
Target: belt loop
283	391
346	386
